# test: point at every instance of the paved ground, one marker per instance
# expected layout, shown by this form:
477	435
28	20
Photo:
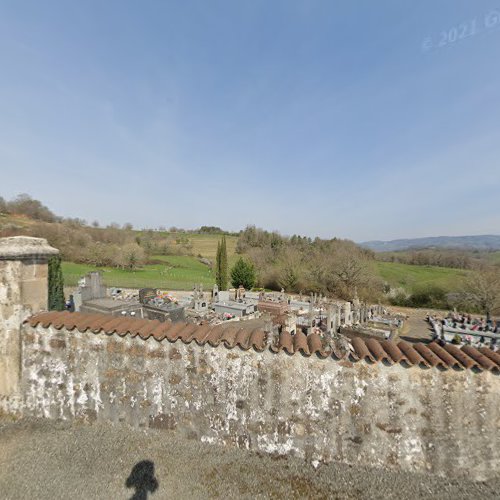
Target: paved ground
49	460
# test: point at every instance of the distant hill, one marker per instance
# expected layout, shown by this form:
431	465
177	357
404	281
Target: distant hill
483	242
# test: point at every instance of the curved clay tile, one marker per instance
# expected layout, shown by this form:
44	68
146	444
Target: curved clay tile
431	358
46	319
136	324
285	342
102	325
300	343
228	337
214	337
123	327
82	321
75	320
482	360
466	361
200	334
371	349
449	360
412	356
110	327
258	339
160	331
35	319
494	356
187	334
360	350
59	320
243	339
172	333
95	323
316	346
378	351
393	351
145	331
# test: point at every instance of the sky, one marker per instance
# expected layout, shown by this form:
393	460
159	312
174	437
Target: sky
353	119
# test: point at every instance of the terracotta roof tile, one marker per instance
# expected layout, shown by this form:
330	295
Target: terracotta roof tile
160	331
285	343
494	356
361	352
393	351
371	350
244	338
214	337
465	360
483	361
258	339
229	336
431	359
137	325
146	331
411	355
315	344
175	331
200	334
188	332
378	351
445	356
300	343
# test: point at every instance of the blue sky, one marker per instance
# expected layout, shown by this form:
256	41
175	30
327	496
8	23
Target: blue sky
311	117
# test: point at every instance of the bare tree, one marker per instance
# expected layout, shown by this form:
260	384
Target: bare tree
482	290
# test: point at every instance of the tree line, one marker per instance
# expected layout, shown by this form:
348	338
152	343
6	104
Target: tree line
110	246
453	258
302	264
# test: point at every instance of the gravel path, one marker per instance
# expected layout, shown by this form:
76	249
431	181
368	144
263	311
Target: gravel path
44	459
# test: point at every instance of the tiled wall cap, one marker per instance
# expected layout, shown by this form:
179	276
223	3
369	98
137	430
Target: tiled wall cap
371	350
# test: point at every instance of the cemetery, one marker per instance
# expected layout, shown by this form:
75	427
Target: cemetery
276	312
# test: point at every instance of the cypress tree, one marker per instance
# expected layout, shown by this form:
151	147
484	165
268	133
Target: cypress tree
221	275
223	264
217	265
56	284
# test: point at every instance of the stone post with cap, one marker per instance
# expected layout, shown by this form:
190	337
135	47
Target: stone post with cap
23	292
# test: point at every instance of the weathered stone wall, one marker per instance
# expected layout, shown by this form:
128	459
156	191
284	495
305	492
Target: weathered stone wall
410	418
23	291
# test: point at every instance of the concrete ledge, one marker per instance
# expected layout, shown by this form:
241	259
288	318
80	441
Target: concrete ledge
25	248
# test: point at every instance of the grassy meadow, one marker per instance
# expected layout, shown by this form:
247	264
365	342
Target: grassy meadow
206	245
179	272
173	272
416	277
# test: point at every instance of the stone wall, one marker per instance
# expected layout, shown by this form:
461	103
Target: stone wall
319	409
446	422
23	291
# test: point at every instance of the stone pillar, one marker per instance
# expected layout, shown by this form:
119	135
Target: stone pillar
23	292
348	314
336	318
291	323
310	318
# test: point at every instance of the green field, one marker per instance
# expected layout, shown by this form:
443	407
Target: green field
173	273
494	258
206	244
415	277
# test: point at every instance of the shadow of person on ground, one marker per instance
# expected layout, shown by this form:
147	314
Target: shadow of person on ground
142	478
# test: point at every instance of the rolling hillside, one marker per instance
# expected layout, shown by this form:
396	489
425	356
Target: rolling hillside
484	242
